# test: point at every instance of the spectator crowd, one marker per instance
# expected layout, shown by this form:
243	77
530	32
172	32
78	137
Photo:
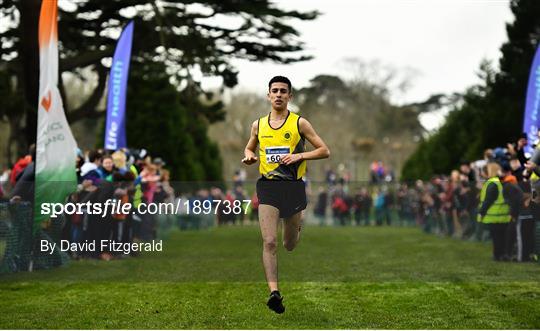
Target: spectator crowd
124	176
495	198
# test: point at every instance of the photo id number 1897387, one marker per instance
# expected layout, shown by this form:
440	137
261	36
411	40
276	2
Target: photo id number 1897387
206	207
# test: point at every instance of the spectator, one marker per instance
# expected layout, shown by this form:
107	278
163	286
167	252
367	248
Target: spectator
331	177
320	206
388	205
79	161
226	208
99	226
379	206
428	206
165	186
21	164
367	202
472	205
24	186
120	225
465	169
404	204
528	215
159	163
120	161
106	168
339	209
238	181
461	200
518	149
513	195
448	207
437	216
495	211
416	202
517	169
240	196
149	179
89	170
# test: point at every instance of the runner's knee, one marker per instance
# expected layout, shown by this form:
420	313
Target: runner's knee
289	244
269	243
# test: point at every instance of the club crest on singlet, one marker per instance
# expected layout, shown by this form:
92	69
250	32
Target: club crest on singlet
287	135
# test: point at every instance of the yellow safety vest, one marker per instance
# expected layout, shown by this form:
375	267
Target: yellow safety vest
499	211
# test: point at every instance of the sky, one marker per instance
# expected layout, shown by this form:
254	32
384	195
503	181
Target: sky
437	44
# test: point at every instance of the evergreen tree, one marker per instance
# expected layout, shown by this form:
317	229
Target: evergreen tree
492	113
159	121
183	35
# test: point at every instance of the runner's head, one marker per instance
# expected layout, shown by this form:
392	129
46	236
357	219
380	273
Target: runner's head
279	92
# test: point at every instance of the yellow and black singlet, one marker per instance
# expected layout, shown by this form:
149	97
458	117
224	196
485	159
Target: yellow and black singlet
276	143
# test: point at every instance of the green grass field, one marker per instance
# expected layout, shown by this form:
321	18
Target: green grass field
337	278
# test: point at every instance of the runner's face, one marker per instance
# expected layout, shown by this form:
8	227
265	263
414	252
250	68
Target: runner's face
279	96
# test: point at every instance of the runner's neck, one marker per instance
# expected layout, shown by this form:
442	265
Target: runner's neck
277	115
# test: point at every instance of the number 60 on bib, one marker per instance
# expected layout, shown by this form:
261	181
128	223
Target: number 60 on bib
274	154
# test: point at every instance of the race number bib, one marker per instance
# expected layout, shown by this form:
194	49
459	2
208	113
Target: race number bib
274	154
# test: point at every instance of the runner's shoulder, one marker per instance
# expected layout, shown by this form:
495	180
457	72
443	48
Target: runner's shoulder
303	124
255	127
302	120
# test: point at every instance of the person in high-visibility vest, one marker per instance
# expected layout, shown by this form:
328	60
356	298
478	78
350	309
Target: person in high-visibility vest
497	209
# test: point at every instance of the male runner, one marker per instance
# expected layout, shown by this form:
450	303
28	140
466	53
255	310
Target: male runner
281	190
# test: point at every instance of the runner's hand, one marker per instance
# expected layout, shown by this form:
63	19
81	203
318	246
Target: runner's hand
291	158
249	159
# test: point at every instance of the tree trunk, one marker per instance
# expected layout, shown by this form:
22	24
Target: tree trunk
14	148
29	69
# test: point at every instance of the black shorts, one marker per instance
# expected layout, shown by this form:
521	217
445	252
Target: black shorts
287	196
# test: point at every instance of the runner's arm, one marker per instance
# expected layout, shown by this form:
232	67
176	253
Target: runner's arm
249	151
321	151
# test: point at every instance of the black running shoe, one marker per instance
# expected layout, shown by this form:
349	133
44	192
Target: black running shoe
275	302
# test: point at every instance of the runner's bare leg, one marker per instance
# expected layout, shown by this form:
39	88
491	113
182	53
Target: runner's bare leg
291	231
269	221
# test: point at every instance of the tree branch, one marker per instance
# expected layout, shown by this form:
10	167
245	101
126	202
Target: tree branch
80	114
84	59
88	108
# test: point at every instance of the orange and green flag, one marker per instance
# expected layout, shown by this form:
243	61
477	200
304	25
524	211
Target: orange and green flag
56	148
